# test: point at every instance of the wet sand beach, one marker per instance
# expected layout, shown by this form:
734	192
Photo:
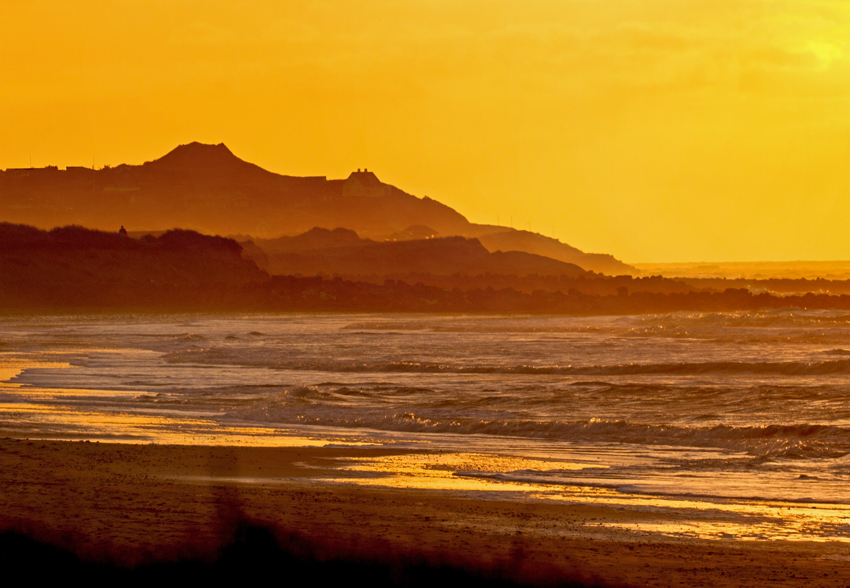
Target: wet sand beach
140	503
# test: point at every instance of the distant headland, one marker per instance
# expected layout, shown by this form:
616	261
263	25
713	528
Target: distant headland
209	189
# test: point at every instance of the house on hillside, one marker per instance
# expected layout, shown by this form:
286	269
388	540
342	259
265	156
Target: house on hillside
364	184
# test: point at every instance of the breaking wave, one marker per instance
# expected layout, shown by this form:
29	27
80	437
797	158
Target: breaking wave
781	368
794	441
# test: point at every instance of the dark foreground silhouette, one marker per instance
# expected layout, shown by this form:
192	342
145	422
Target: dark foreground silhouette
250	551
73	269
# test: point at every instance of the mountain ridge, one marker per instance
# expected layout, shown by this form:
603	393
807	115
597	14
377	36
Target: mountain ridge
209	189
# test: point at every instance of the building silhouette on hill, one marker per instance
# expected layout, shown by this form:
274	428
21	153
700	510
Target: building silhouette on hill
364	184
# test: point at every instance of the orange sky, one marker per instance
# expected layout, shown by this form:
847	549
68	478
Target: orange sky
655	130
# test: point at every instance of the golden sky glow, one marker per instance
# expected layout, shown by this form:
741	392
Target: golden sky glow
655	130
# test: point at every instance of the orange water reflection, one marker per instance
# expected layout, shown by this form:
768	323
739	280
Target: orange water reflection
635	513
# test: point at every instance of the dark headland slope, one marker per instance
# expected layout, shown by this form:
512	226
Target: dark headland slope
208	189
342	252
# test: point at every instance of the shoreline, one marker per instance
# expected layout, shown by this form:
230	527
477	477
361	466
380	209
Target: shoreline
135	503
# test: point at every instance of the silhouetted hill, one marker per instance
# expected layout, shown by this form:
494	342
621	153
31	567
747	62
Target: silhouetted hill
215	159
208	189
342	252
515	240
73	267
315	239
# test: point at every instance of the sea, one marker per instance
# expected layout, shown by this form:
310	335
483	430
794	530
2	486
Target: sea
724	425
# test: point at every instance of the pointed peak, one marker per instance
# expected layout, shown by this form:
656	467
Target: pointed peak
197	147
197	154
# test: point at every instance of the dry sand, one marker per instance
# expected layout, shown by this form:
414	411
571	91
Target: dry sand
134	503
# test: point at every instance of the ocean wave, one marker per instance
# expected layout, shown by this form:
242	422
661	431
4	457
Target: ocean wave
752	319
782	368
500	325
189	338
838	352
570	479
307	405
